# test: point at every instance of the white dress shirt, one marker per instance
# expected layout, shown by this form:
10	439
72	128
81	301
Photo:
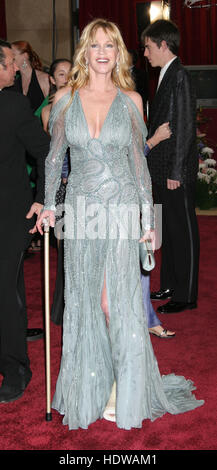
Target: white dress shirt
163	70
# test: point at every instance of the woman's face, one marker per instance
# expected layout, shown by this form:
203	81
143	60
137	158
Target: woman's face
102	53
61	73
19	57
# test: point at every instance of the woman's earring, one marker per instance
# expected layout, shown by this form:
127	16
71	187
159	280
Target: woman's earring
24	64
117	67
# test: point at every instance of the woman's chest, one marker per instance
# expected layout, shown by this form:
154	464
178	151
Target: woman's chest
109	125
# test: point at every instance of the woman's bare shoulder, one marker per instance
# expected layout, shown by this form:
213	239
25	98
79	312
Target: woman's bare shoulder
136	98
42	74
60	93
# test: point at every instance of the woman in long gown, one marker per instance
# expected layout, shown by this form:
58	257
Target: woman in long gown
100	118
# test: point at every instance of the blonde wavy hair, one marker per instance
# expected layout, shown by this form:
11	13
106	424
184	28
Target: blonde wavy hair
79	76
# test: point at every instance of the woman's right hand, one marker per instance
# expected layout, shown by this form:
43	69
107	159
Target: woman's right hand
46	216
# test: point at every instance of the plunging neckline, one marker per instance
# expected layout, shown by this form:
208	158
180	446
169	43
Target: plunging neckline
106	118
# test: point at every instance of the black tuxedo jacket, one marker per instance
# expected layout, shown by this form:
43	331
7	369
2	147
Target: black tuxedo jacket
175	158
20	131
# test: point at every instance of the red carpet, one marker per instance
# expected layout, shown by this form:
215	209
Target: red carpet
192	353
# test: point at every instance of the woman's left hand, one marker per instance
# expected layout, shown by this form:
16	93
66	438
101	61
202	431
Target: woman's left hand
149	235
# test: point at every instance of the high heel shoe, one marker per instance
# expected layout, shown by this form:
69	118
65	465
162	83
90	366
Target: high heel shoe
109	412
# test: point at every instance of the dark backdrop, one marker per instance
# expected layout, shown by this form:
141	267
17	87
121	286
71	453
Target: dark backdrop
198	26
3	33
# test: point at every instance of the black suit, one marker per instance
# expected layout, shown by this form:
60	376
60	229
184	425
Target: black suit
20	131
176	159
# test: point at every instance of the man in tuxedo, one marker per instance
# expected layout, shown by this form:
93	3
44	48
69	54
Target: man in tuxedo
173	165
20	130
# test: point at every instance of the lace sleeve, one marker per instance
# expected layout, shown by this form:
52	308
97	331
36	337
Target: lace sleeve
58	147
138	165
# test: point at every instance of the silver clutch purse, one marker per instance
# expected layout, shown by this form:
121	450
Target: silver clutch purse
146	255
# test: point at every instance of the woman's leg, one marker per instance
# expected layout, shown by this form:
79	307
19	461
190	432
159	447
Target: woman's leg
104	302
109	412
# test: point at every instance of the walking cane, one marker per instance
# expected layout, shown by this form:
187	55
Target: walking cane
47	319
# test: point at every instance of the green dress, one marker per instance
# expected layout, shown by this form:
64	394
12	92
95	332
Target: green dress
108	188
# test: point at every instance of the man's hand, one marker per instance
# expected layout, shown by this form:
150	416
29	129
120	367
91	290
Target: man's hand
36	208
173	184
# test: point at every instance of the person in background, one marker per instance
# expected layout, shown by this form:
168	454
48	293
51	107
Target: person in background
173	166
141	85
32	81
58	76
154	324
20	131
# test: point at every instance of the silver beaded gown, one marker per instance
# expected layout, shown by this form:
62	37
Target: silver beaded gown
106	174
